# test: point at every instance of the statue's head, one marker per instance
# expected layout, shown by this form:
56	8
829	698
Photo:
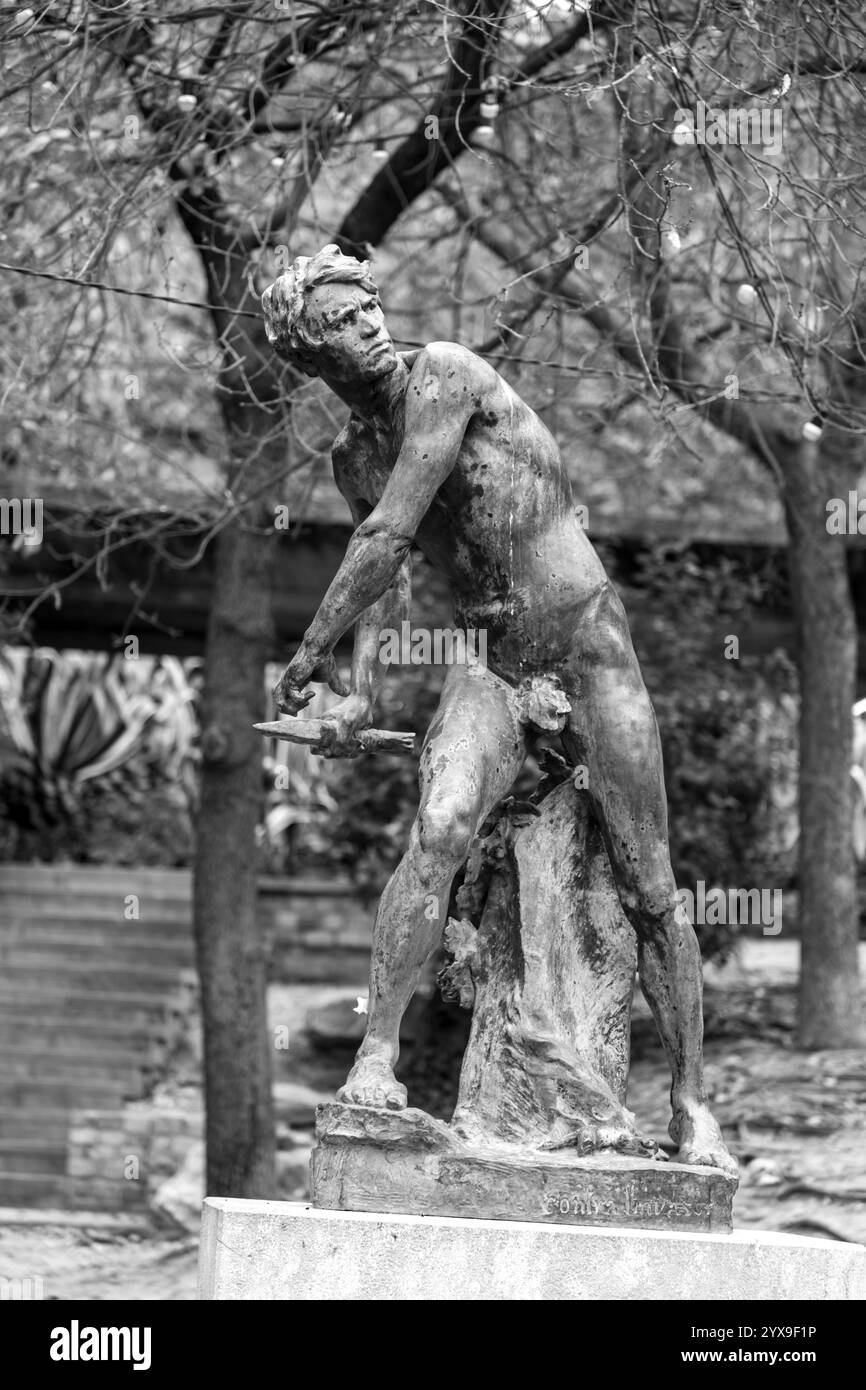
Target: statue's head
324	316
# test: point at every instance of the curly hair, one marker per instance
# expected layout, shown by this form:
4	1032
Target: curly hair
284	306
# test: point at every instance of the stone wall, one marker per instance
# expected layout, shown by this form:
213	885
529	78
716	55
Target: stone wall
128	1154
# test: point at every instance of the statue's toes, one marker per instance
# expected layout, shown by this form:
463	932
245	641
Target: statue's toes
709	1157
359	1093
391	1097
374	1088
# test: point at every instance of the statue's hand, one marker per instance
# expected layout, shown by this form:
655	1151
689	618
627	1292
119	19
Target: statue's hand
328	674
342	722
289	694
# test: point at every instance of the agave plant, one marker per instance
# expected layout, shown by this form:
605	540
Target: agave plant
64	720
171	735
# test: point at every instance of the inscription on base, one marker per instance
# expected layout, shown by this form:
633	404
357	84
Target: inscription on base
628	1204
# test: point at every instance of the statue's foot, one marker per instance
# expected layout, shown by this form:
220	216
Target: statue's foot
697	1134
371	1082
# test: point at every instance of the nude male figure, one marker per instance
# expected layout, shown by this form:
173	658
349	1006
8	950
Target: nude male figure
441	453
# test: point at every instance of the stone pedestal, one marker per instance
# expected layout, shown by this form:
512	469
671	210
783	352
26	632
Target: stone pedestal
405	1161
285	1250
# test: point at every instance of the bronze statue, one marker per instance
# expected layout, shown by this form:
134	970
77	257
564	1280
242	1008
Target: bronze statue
441	453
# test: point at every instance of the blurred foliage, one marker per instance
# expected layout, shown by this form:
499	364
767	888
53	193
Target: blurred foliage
728	728
97	757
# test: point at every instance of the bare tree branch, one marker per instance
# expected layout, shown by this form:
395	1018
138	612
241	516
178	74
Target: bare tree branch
419	160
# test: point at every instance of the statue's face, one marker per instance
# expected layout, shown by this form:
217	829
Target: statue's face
356	345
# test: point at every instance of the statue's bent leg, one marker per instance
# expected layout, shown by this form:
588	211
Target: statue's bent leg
470	759
614	726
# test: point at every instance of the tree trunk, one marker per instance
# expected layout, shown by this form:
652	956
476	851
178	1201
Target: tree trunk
229	944
230	947
829	987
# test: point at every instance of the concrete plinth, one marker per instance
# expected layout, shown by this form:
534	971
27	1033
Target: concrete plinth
286	1250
